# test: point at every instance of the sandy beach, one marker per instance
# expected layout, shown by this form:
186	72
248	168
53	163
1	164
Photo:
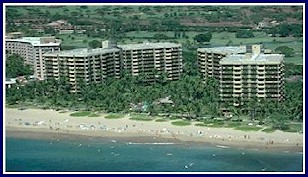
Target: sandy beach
50	122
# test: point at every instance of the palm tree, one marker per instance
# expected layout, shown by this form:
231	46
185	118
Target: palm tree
252	106
235	111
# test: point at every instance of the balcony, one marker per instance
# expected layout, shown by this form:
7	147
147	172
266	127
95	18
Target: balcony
72	79
273	82
230	82
226	95
237	95
261	95
227	73
237	82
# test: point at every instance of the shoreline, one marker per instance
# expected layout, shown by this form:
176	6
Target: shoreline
39	124
42	134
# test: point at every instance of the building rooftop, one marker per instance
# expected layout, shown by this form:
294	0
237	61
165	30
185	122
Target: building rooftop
147	45
37	41
15	33
224	50
82	52
253	59
10	81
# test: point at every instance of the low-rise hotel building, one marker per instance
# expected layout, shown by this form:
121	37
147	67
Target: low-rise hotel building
32	50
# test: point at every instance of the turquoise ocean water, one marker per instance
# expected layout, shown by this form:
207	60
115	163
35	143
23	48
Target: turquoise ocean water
107	155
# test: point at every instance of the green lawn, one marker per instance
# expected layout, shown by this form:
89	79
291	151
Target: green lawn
94	115
181	123
62	111
111	12
76	40
221	39
296	59
268	130
295	127
114	116
214	125
13	106
228	38
141	118
201	124
248	128
228	124
80	114
218	39
161	120
260	37
173	118
59	9
232	124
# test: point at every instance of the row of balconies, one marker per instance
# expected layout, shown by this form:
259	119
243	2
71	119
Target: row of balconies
243	96
248	86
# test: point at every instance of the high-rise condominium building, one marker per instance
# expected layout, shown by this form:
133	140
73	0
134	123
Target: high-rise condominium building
153	60
94	65
209	58
32	50
244	75
83	65
247	76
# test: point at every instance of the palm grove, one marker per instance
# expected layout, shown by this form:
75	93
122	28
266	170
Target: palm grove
191	97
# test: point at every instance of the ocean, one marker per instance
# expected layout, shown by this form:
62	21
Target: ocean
112	155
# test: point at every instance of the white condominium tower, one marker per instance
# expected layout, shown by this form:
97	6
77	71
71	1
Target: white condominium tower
83	65
244	74
153	59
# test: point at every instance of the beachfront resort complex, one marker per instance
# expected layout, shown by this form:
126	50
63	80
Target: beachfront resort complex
244	72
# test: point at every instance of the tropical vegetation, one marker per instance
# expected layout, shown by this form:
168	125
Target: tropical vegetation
15	66
192	99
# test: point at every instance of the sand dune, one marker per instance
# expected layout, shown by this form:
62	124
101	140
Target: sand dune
53	121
